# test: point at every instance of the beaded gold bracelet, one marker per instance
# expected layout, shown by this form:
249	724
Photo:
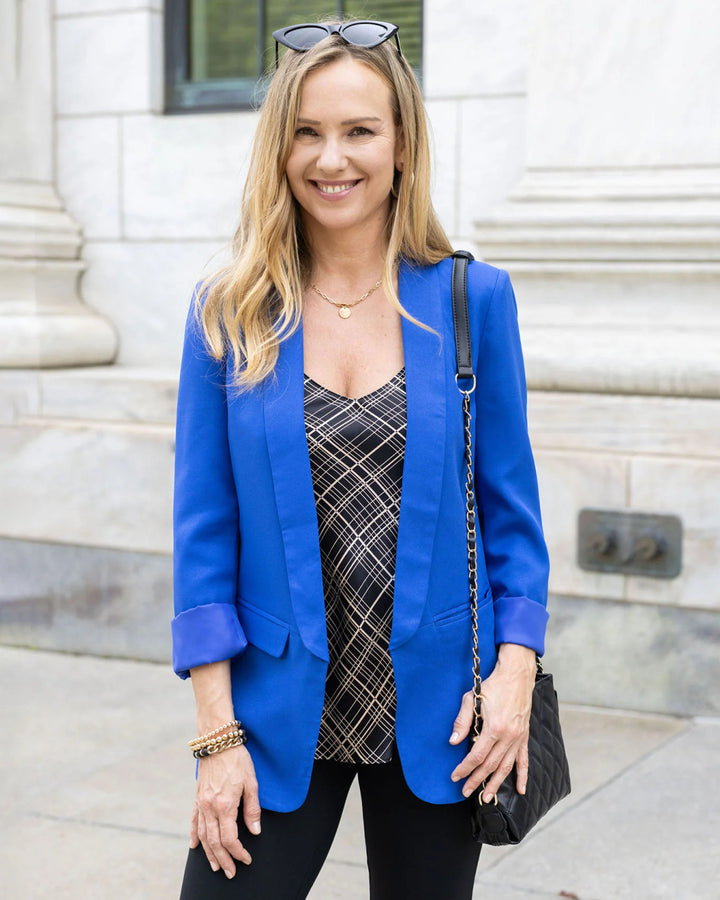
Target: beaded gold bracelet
230	735
199	741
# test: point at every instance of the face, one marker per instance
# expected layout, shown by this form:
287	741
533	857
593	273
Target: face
345	150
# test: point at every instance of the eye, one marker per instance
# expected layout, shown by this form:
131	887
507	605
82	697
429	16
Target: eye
305	130
360	130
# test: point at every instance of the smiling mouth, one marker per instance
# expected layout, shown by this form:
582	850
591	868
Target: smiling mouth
335	188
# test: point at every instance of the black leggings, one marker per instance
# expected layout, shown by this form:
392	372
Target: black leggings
414	849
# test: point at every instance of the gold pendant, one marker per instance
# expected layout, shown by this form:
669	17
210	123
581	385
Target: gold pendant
344	312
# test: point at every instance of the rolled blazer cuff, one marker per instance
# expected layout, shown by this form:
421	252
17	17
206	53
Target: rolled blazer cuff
206	634
519	620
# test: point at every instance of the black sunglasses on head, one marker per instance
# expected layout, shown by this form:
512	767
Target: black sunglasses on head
363	33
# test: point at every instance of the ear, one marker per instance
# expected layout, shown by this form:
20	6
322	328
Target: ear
400	149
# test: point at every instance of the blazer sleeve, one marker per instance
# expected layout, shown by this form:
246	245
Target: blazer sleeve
206	536
506	481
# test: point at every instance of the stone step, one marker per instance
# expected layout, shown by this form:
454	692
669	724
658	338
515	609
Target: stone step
93	484
111	393
86	457
119	394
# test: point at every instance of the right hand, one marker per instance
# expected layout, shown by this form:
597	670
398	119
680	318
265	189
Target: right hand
224	779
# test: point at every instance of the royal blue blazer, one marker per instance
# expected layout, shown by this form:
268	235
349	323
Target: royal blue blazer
248	581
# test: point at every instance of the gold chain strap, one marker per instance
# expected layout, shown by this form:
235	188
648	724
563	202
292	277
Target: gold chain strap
471	524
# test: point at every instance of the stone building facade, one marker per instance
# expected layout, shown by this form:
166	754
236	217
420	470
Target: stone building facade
576	145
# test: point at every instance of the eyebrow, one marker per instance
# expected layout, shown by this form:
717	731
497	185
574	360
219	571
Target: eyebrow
345	121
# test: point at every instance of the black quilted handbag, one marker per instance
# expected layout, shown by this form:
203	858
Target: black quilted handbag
509	816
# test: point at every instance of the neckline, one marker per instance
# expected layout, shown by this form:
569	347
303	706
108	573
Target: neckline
355	399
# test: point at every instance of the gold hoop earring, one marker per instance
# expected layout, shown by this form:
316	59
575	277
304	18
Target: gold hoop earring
396	178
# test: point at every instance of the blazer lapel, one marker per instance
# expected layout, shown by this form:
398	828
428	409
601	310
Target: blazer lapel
287	445
422	296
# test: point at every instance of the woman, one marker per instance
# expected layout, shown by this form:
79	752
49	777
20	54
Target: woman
320	552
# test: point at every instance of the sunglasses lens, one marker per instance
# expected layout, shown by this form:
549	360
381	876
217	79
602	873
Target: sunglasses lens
304	36
365	34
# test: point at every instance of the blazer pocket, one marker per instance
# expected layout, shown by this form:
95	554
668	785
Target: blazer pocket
263	630
454	614
460	612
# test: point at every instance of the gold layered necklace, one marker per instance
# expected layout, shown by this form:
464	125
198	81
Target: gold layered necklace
344	309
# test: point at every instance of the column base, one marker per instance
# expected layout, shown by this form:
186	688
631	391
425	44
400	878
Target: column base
617	275
43	321
55	340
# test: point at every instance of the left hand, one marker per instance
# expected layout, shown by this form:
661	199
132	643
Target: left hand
503	741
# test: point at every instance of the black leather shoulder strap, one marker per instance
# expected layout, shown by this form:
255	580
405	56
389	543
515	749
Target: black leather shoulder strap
461	319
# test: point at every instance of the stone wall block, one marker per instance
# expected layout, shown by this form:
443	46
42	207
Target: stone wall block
623	82
88	484
689	489
87	7
88	179
443	117
492	152
85	600
104	63
474	48
569	482
635	655
183	175
146	288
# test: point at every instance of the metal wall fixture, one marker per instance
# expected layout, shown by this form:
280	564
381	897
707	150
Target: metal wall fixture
629	543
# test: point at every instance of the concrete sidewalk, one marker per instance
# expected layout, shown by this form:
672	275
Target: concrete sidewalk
98	784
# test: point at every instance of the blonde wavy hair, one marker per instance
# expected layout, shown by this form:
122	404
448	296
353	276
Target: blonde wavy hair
255	302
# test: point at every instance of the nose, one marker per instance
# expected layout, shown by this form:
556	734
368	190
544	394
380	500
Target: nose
332	155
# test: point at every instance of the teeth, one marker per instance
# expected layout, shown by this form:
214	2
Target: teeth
335	188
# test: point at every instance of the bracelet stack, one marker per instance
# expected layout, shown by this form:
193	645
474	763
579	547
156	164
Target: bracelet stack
231	734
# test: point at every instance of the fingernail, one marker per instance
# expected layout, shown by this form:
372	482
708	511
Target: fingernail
454	778
255	828
228	873
248	860
487	797
453	737
466	792
215	867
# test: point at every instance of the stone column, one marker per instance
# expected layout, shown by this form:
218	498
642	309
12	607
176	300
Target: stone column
43	321
612	239
613	233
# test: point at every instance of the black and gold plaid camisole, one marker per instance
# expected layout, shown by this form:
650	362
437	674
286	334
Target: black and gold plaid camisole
356	447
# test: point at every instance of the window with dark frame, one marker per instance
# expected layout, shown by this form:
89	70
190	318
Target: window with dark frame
217	51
